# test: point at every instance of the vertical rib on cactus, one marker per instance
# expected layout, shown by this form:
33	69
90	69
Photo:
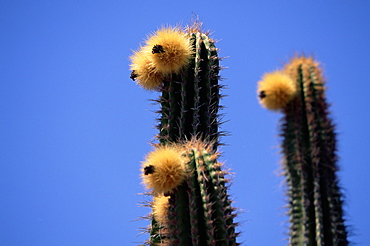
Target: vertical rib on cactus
199	210
309	146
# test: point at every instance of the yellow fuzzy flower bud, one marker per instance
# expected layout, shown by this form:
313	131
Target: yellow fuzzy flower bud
171	50
144	71
275	90
160	209
164	169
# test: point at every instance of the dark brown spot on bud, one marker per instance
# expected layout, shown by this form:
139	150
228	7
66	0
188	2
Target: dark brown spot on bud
262	94
148	169
157	49
133	75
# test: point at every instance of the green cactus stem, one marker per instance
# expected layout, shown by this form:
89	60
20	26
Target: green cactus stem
195	208
310	161
199	210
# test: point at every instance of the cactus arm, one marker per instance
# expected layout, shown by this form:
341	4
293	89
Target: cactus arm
322	153
199	209
216	205
309	150
320	193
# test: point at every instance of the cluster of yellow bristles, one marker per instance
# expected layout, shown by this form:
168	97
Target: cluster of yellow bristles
275	90
165	52
164	168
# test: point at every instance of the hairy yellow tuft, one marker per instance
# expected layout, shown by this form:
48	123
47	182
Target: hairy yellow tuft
171	50
160	209
164	169
143	70
275	90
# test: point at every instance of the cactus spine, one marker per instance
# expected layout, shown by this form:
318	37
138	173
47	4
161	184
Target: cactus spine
197	209
309	149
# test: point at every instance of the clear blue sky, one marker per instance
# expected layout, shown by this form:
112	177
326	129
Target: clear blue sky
74	127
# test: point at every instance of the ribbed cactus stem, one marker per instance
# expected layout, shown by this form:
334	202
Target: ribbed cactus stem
309	147
199	210
203	205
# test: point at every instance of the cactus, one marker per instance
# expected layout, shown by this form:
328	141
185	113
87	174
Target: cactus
309	150
190	201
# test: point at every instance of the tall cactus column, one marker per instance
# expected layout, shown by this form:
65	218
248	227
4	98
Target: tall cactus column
309	149
190	201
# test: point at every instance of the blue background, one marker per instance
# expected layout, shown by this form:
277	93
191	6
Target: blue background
74	127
